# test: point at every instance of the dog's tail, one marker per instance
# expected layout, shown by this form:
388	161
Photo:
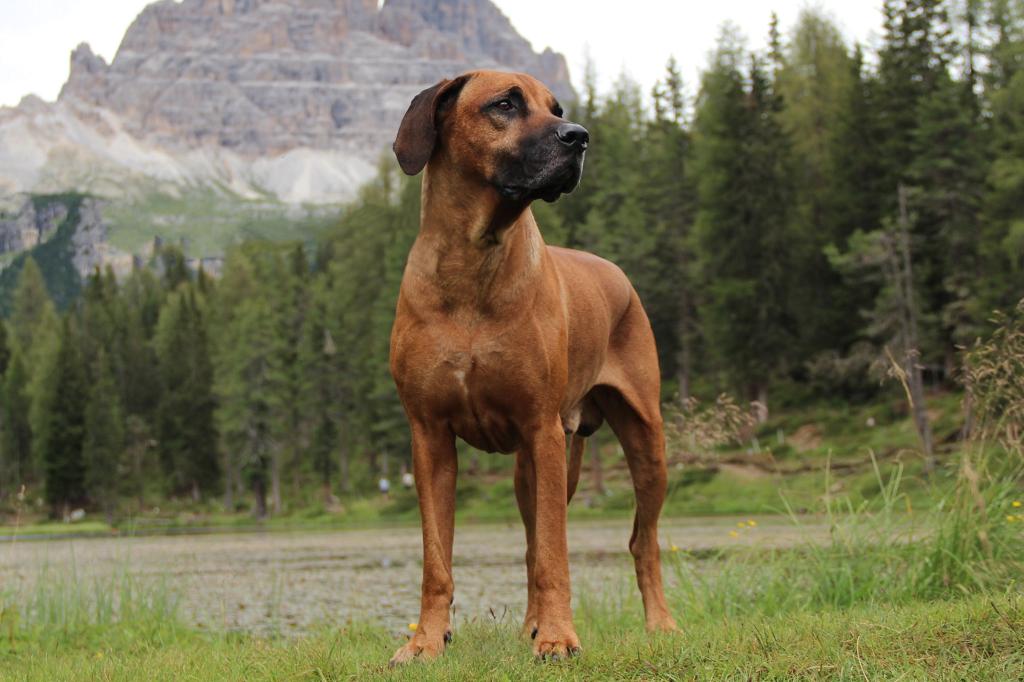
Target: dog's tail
576	449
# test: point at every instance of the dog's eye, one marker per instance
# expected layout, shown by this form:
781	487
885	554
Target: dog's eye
505	105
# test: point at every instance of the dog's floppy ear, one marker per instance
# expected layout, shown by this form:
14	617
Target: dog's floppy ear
418	132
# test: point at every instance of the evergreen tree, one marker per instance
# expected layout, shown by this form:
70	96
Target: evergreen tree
142	298
668	194
15	431
32	311
185	427
816	81
742	165
5	350
1002	239
103	447
59	438
947	171
914	56
262	308
321	389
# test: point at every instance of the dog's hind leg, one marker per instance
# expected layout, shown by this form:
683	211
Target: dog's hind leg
576	450
643	442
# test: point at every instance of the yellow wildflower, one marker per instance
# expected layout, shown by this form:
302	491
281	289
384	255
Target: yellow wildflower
413	626
741	525
751	523
674	548
1011	518
733	534
1015	503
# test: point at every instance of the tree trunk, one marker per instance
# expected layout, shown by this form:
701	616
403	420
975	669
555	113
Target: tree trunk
275	480
915	379
684	358
760	397
924	427
596	471
259	489
137	452
236	481
229	483
344	480
374	463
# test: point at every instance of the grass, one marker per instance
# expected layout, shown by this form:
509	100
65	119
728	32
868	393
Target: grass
932	595
979	638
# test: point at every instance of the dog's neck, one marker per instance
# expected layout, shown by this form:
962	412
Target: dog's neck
476	249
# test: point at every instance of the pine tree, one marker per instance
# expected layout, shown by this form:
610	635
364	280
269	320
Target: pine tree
103	446
742	165
817	82
886	256
15	431
668	193
320	385
5	349
948	170
32	309
59	438
913	58
35	337
255	381
1002	239
185	427
142	298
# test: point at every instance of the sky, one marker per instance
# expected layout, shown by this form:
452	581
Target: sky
636	37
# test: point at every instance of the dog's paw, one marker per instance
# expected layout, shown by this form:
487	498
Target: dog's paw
663	623
552	645
420	648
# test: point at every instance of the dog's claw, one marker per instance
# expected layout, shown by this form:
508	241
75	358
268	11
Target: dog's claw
447	636
533	634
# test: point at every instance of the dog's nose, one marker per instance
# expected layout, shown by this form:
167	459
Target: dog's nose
573	135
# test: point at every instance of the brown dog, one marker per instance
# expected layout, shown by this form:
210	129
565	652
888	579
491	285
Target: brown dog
510	344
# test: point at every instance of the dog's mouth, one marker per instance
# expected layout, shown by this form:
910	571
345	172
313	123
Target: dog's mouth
548	184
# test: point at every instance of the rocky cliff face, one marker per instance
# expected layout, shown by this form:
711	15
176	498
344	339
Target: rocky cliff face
28	226
295	98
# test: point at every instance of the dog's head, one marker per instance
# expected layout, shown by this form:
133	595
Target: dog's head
506	129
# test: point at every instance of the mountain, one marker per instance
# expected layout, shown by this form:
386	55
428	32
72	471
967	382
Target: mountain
219	120
291	99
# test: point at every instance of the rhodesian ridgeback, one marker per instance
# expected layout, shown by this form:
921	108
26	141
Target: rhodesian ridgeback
513	345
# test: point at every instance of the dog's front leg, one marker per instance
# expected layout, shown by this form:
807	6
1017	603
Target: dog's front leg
556	636
435	466
526	498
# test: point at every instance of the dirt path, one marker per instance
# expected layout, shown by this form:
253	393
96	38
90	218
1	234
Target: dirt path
294	581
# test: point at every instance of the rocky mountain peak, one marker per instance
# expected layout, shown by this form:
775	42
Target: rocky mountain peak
263	77
295	98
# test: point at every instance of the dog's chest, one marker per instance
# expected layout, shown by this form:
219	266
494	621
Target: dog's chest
479	383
